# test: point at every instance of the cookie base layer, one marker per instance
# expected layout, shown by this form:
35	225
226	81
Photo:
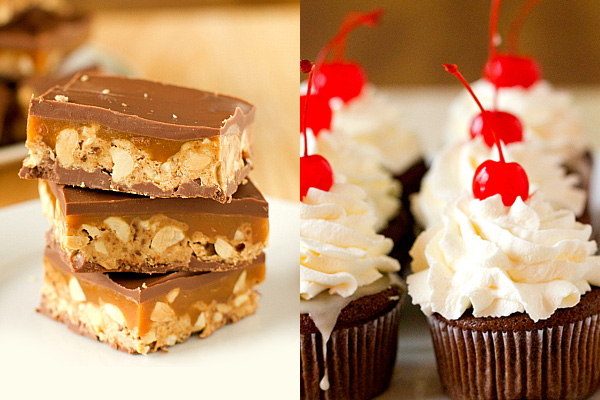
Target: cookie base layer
360	353
514	357
125	341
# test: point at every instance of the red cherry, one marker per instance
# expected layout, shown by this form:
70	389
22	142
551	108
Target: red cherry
342	79
498	177
508	127
315	171
509	180
509	71
320	115
492	124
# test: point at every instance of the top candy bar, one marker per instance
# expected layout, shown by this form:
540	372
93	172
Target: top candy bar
142	137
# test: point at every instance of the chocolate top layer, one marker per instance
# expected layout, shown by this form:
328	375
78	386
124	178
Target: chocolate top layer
142	287
247	200
38	29
144	107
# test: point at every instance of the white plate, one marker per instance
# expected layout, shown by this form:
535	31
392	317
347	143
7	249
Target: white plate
42	358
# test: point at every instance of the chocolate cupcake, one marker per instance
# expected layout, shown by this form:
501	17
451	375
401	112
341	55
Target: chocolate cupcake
512	298
350	297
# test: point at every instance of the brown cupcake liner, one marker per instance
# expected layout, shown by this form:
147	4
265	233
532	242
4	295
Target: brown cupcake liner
360	359
555	362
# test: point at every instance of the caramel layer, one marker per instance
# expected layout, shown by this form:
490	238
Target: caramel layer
158	149
139	301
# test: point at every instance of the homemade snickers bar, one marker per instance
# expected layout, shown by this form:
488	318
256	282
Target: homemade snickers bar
35	39
141	137
144	313
107	231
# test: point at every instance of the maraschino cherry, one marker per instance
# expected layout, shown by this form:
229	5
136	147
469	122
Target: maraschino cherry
504	125
342	78
315	170
510	69
495	177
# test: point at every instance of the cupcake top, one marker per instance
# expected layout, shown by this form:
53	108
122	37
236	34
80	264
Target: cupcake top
373	119
548	115
341	257
498	260
339	249
451	174
361	166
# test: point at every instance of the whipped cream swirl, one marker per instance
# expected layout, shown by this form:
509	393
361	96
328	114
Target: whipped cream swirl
339	249
451	174
373	119
501	260
361	165
548	115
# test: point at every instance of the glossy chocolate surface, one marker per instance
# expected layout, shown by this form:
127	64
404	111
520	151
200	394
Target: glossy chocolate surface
144	107
247	200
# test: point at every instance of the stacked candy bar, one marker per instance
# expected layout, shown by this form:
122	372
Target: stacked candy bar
35	37
156	231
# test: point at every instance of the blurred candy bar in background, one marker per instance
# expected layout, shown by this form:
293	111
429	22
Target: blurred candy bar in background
36	37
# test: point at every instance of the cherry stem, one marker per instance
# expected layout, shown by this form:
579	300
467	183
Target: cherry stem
453	69
495	13
352	21
517	24
307	66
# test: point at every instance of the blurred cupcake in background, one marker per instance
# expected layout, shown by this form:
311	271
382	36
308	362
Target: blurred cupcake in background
514	83
365	139
453	168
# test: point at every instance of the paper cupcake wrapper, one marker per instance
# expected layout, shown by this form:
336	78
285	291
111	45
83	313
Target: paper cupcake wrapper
561	362
360	360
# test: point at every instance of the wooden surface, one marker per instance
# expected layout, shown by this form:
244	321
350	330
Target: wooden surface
250	52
